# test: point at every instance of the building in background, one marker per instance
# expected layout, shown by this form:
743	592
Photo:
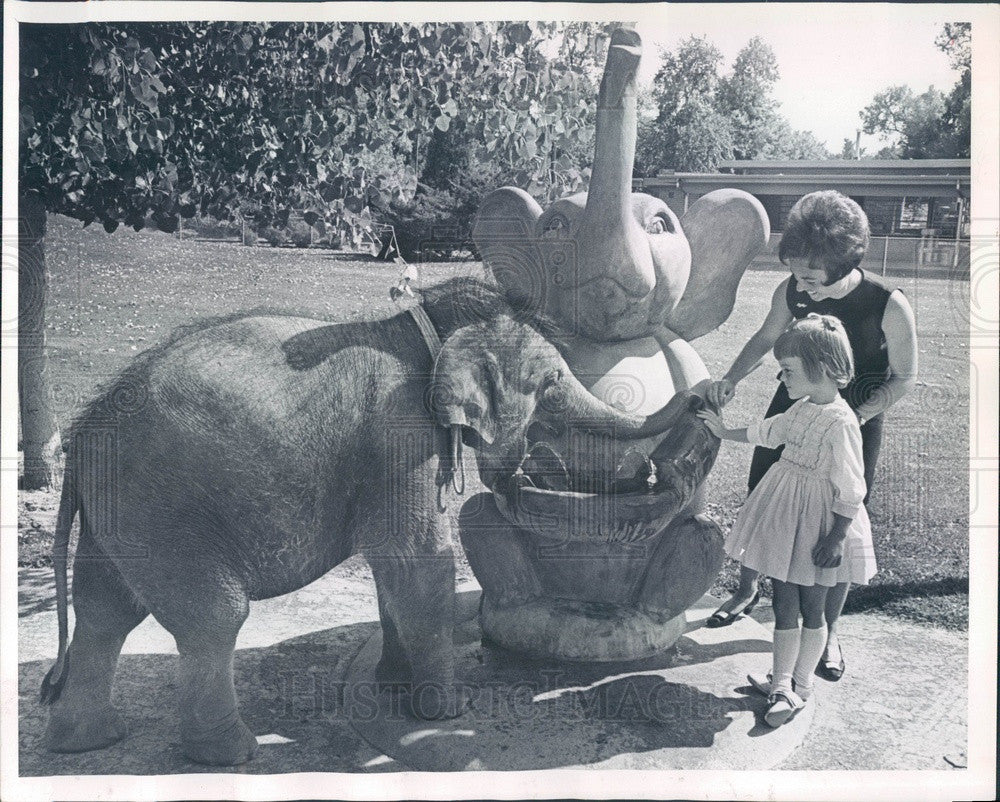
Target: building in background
919	209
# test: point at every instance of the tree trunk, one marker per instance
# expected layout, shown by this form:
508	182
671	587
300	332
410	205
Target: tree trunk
39	434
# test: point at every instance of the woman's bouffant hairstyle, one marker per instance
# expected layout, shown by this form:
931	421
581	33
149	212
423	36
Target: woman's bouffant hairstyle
821	343
829	227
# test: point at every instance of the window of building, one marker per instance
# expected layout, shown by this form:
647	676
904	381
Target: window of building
914	214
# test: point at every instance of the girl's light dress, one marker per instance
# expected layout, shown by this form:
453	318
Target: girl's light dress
820	473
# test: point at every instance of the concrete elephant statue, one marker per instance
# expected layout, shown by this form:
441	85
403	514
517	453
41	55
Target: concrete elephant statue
619	269
247	456
633	284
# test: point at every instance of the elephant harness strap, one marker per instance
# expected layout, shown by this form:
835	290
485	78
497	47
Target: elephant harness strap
455	436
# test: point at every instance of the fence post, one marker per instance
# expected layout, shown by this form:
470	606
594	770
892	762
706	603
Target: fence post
958	231
885	254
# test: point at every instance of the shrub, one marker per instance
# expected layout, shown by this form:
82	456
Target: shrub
437	222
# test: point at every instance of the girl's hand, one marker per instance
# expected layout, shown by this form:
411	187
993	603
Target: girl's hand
720	392
713	420
829	552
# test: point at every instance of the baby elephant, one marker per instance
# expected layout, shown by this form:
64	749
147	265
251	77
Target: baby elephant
247	456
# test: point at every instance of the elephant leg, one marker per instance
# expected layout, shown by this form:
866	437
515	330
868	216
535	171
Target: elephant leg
685	561
393	666
212	731
82	716
501	555
416	601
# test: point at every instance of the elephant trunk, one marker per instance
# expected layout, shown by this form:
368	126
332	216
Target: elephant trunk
615	135
609	233
591	413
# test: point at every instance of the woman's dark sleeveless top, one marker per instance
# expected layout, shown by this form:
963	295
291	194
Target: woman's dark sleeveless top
861	312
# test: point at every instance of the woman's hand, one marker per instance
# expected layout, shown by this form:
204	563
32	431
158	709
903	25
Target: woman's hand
829	552
719	393
713	420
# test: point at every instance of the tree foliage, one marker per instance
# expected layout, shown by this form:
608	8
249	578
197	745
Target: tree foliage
121	121
931	124
745	97
914	121
955	39
688	132
696	117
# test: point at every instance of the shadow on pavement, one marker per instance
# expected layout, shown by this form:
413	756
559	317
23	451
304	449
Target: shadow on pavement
287	693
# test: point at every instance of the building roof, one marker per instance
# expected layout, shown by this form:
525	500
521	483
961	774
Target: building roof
927	178
863	166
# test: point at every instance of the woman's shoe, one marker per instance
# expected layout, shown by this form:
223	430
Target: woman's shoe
832	670
723	618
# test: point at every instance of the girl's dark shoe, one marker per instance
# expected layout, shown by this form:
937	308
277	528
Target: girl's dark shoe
723	618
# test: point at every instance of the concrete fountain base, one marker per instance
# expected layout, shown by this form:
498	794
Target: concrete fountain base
580	630
689	708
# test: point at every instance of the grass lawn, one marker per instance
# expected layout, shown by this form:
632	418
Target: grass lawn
115	295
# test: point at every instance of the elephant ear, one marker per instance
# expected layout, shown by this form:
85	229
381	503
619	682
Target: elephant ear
504	233
466	384
726	229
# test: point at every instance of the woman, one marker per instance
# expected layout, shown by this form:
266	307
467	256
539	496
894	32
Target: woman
824	241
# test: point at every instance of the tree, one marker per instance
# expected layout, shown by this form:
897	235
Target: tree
703	118
688	133
929	125
912	123
955	39
785	143
120	122
850	150
745	97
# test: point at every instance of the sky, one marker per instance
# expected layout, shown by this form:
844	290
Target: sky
832	60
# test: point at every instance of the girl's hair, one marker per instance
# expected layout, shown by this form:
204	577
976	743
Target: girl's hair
821	343
829	227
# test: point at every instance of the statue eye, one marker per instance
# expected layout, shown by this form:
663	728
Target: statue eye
659	225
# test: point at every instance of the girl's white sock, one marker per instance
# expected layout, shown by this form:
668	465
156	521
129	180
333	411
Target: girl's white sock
786	652
810	650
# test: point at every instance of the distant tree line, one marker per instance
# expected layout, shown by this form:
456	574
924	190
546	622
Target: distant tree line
931	125
696	116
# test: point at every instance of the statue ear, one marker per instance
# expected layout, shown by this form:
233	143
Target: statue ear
504	233
726	229
466	384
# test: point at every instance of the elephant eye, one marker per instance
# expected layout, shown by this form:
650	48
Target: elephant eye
556	226
659	225
553	396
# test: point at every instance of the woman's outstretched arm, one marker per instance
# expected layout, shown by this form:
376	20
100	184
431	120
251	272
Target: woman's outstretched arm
756	348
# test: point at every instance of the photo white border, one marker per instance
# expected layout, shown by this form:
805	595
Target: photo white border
978	781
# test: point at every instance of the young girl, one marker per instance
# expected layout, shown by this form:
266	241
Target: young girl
804	525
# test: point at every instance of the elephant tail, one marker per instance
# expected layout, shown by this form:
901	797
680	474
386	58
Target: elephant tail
53	683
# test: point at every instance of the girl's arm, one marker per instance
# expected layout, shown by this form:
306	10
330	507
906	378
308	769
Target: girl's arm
829	551
770	432
756	348
847	474
715	424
